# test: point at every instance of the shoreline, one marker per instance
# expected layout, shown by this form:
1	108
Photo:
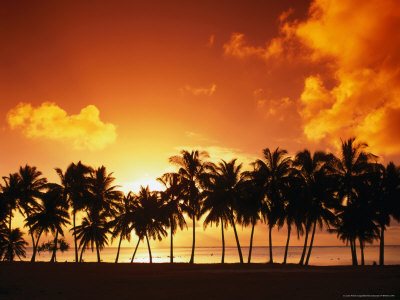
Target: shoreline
67	280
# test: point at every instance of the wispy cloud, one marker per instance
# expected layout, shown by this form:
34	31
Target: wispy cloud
359	39
48	121
199	91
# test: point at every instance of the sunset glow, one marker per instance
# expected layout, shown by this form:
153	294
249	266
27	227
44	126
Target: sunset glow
128	84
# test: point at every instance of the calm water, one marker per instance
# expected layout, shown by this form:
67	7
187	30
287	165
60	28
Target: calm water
321	255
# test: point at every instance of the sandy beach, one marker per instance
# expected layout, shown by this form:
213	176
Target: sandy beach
22	280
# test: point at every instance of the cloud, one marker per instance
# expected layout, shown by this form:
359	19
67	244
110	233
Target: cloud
279	108
210	42
358	90
201	91
83	131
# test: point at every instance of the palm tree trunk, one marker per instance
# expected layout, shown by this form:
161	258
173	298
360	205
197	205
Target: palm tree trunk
362	252
251	242
223	242
35	247
382	247
80	257
76	246
134	253
98	253
311	244
287	242
119	247
271	260
353	251
237	239
53	256
148	247
194	240
303	254
171	255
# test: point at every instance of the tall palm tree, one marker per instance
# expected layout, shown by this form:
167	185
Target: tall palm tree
274	171
174	204
249	204
191	167
51	216
150	218
122	222
92	232
75	183
11	194
351	167
31	185
386	192
314	170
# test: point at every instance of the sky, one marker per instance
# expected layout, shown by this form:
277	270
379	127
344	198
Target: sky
127	84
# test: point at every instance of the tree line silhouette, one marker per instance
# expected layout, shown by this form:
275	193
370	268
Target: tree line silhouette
352	195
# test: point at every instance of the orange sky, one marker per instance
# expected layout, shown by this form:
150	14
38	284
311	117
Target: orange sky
128	84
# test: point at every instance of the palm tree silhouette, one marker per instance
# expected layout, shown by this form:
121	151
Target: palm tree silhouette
149	217
122	222
13	244
50	216
350	168
250	203
191	168
76	191
92	233
11	194
313	170
174	204
31	186
274	170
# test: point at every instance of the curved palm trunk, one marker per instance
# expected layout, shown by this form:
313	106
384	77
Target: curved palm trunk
353	252
237	239
303	254
271	260
251	242
35	247
287	243
119	247
362	252
134	253
223	242
311	244
53	256
148	247
80	257
382	246
171	255
194	240
98	252
76	246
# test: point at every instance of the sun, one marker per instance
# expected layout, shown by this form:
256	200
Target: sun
134	186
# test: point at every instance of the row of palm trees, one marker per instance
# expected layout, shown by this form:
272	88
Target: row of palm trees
352	195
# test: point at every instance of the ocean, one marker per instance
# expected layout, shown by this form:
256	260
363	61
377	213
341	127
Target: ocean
320	256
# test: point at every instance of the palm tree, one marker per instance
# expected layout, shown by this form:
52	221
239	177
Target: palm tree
250	204
11	194
314	170
274	171
51	216
174	205
149	217
191	167
76	191
122	222
92	233
386	192
13	245
351	167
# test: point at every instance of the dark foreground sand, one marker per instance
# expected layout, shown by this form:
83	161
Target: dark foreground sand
22	280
